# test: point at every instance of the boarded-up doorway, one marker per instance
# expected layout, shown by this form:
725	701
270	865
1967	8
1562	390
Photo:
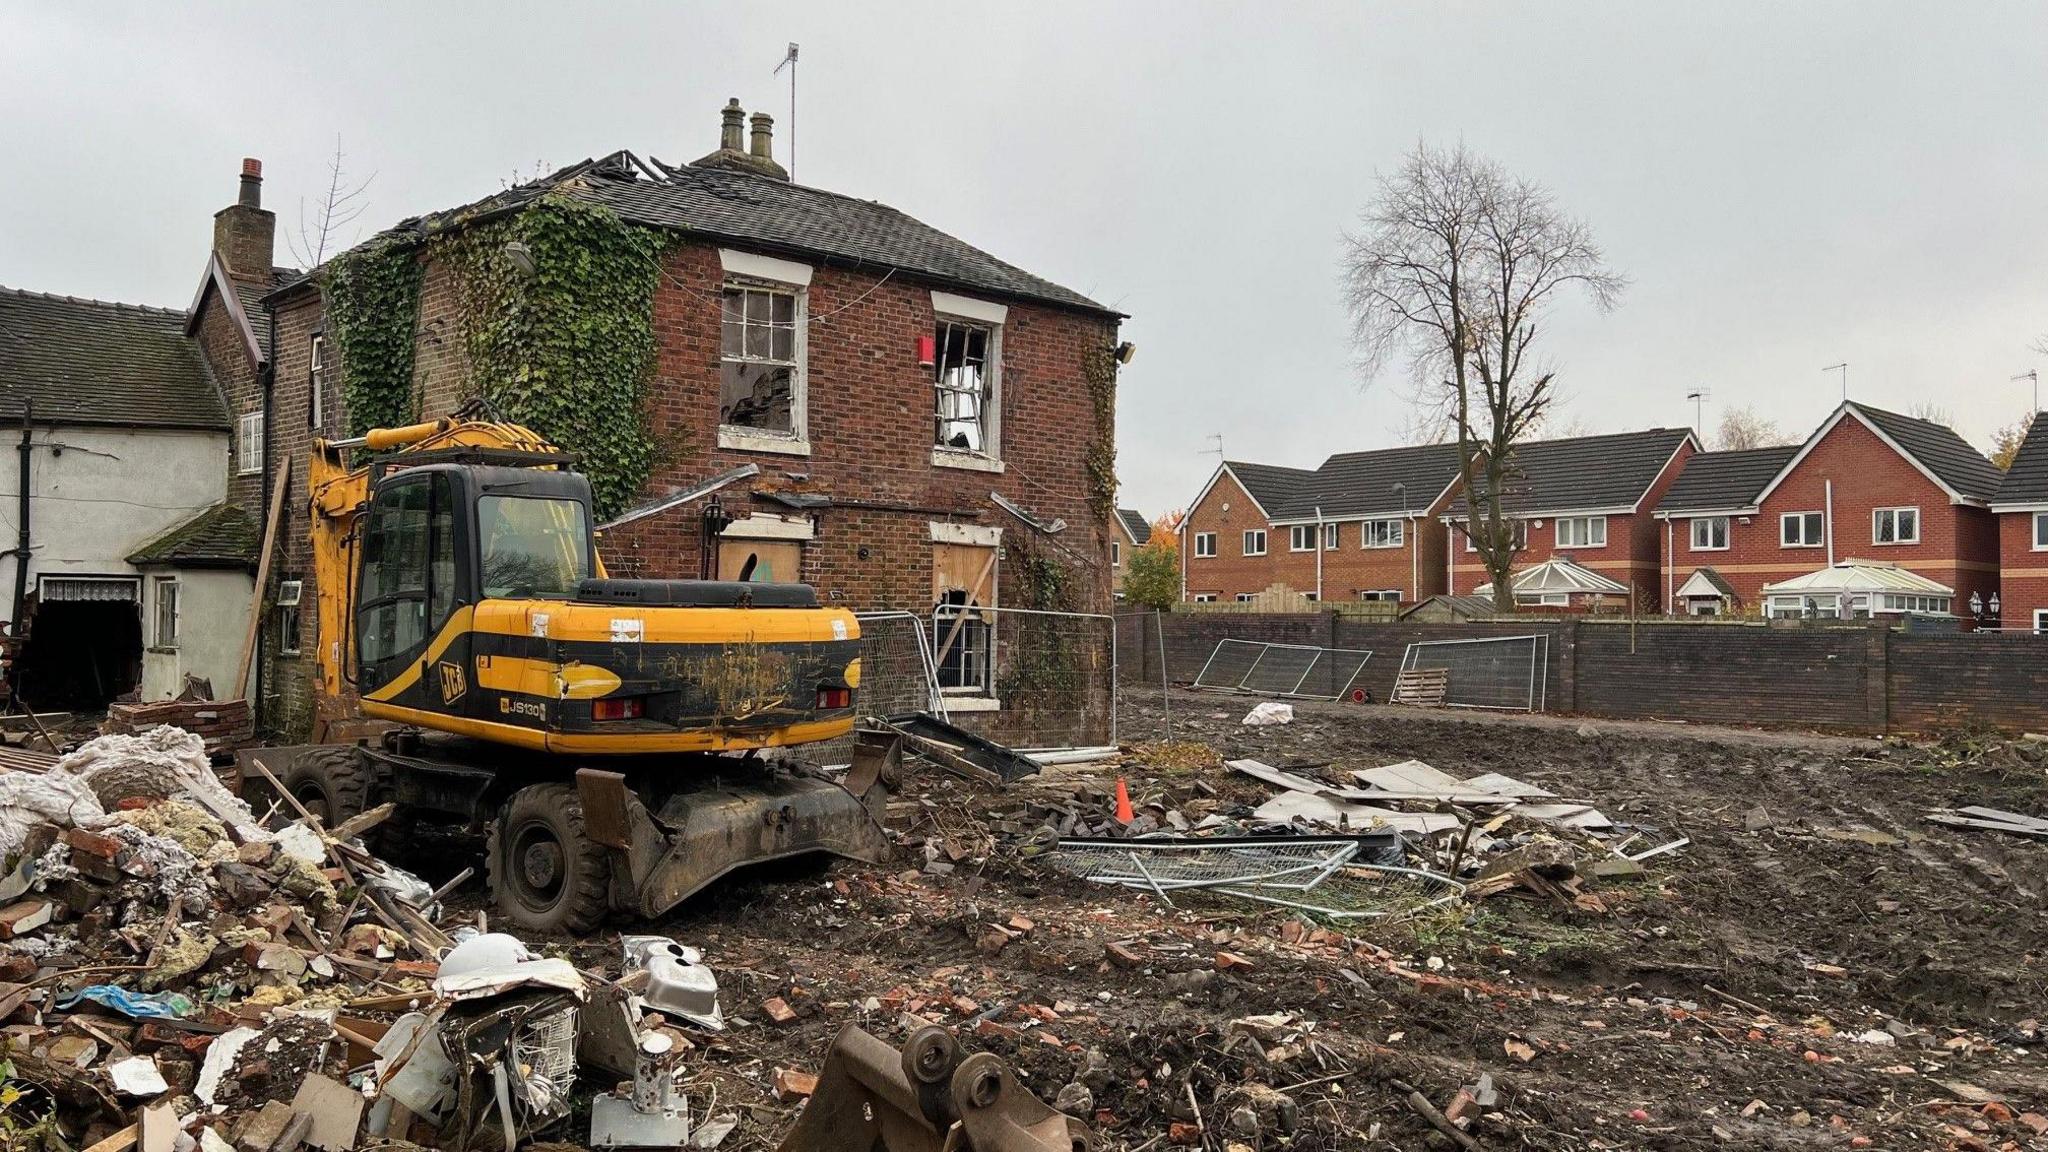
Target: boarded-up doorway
963	636
760	561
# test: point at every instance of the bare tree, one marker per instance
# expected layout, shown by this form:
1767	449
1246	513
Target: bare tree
1931	412
1741	428
320	229
1453	267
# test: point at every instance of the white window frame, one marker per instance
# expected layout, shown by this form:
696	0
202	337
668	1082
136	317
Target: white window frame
249	443
159	589
1116	554
316	381
1877	516
1300	538
1202	598
1518	531
1333	535
1787	518
1245	597
2041	620
1587	528
1379	594
2041	531
289	595
745	270
1708	523
991	317
1544	599
1384	534
1205	545
1248	534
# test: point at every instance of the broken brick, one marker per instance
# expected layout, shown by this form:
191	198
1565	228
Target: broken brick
1232	962
779	1010
24	916
791	1084
1122	955
1181	1132
92	843
1022	923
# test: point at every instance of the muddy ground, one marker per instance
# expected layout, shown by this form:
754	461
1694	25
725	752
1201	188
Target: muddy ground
1819	968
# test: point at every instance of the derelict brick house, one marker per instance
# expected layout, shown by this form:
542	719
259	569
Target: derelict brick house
1583	508
1875	513
2021	505
1362	526
919	414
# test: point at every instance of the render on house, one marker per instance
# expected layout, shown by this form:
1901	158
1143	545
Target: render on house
1360	526
128	570
918	413
2021	505
1776	531
1133	532
1587	500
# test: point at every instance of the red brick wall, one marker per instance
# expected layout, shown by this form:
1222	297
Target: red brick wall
227	354
1348	569
2023	572
1958	545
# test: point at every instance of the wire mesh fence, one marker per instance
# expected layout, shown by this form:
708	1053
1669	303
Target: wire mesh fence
1297	670
1328	876
896	670
1506	672
1053	673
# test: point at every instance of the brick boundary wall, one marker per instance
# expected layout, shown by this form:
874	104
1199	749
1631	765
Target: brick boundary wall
1854	679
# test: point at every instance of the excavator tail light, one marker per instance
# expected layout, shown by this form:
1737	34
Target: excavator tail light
832	698
618	708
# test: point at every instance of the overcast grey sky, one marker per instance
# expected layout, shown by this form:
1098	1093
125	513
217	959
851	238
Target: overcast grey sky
1788	186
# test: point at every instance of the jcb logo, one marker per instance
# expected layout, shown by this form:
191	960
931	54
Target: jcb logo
453	682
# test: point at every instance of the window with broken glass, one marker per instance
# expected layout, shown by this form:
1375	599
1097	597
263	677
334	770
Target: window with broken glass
964	382
761	381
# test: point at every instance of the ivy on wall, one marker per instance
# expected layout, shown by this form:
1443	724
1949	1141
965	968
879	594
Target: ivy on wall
558	320
372	300
1098	371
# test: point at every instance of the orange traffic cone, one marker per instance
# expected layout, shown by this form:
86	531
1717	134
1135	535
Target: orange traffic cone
1124	815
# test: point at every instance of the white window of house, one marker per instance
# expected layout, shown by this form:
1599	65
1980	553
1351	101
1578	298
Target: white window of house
1545	599
1244	597
1205	544
1255	542
166	591
1895	526
1203	598
1913	602
967	377
761	362
1391	594
1518	530
1380	534
1709	533
316	382
1116	554
1703	607
289	593
1300	538
249	443
2041	531
2041	619
1802	529
1582	532
1331	535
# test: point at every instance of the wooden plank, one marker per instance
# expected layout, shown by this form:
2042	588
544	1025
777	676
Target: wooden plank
2001	816
284	483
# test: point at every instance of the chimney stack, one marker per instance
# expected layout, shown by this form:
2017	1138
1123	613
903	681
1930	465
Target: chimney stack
733	152
245	233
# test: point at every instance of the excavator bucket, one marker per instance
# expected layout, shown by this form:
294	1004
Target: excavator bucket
926	1098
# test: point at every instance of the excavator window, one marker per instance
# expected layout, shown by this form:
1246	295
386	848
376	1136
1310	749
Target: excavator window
532	545
408	581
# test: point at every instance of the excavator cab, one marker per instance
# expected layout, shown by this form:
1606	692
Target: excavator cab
606	733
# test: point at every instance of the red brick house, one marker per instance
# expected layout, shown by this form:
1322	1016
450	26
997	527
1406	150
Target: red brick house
1362	526
2021	505
919	414
1586	502
1869	486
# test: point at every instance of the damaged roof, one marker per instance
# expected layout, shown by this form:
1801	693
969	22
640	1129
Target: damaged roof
1714	481
223	536
1612	471
773	216
2026	482
79	361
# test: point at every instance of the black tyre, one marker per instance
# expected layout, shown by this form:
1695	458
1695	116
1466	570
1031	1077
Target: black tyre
333	783
546	875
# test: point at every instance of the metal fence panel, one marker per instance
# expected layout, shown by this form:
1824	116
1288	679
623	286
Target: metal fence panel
1506	672
1297	670
1054	673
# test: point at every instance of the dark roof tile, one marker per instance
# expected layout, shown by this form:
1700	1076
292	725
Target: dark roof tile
1134	521
1721	480
2026	482
1939	450
1610	471
223	536
1351	485
93	362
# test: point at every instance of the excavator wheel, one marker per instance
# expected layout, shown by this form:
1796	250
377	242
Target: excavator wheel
333	783
546	875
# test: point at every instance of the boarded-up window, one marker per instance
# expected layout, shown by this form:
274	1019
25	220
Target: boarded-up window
963	631
760	561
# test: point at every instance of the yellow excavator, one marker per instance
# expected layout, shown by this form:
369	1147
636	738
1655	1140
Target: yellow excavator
613	738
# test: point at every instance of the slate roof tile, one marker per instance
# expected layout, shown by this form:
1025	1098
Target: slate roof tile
223	536
1609	471
94	362
1721	480
2026	482
1940	450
